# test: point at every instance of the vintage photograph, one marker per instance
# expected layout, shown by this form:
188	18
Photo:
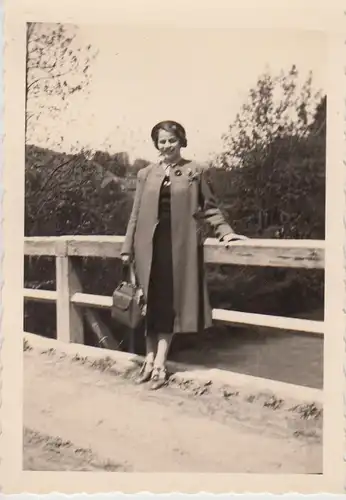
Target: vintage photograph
175	196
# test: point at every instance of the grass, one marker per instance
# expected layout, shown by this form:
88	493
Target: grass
308	411
274	403
26	345
103	363
57	454
51	351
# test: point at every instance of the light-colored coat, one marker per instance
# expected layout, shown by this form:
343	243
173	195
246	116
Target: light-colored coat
192	202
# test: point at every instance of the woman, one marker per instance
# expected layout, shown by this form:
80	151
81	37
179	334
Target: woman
164	242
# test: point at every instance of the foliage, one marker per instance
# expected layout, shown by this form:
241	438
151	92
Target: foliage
66	195
56	68
275	156
79	194
271	180
277	106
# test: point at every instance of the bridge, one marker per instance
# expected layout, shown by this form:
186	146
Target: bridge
59	372
71	302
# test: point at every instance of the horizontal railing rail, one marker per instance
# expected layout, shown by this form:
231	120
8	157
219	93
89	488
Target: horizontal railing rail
307	254
70	299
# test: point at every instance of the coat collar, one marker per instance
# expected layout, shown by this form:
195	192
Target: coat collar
181	164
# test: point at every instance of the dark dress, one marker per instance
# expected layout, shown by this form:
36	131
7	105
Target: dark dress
160	311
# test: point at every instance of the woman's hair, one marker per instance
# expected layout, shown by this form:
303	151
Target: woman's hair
169	126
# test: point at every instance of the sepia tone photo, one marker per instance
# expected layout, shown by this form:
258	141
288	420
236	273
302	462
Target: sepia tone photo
217	178
176	302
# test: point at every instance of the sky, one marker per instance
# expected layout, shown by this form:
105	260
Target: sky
198	76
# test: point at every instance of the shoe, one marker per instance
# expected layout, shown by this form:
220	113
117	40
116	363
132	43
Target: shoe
145	372
158	378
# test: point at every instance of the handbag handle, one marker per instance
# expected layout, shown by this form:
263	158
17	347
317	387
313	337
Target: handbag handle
128	273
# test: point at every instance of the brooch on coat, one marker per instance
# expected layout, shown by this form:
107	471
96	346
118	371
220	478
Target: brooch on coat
193	176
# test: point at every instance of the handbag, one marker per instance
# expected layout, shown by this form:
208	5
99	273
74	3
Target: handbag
128	304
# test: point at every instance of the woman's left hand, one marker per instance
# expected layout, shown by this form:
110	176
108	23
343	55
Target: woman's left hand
230	238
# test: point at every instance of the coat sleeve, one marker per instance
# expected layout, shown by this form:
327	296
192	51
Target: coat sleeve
127	247
211	211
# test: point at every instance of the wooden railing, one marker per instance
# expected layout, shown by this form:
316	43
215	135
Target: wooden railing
70	299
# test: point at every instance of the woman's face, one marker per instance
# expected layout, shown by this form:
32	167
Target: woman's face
168	145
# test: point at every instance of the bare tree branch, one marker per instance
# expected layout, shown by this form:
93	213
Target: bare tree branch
55	66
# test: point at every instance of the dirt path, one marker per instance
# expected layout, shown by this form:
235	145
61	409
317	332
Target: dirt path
80	418
44	452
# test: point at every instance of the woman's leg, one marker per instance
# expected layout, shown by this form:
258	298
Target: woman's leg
163	345
151	342
148	365
159	375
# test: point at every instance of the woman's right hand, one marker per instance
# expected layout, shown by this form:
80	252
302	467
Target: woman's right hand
125	258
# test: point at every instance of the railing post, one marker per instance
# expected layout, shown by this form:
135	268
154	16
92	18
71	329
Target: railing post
69	317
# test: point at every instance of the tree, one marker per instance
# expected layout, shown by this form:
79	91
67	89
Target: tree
277	106
274	153
66	194
56	67
270	178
